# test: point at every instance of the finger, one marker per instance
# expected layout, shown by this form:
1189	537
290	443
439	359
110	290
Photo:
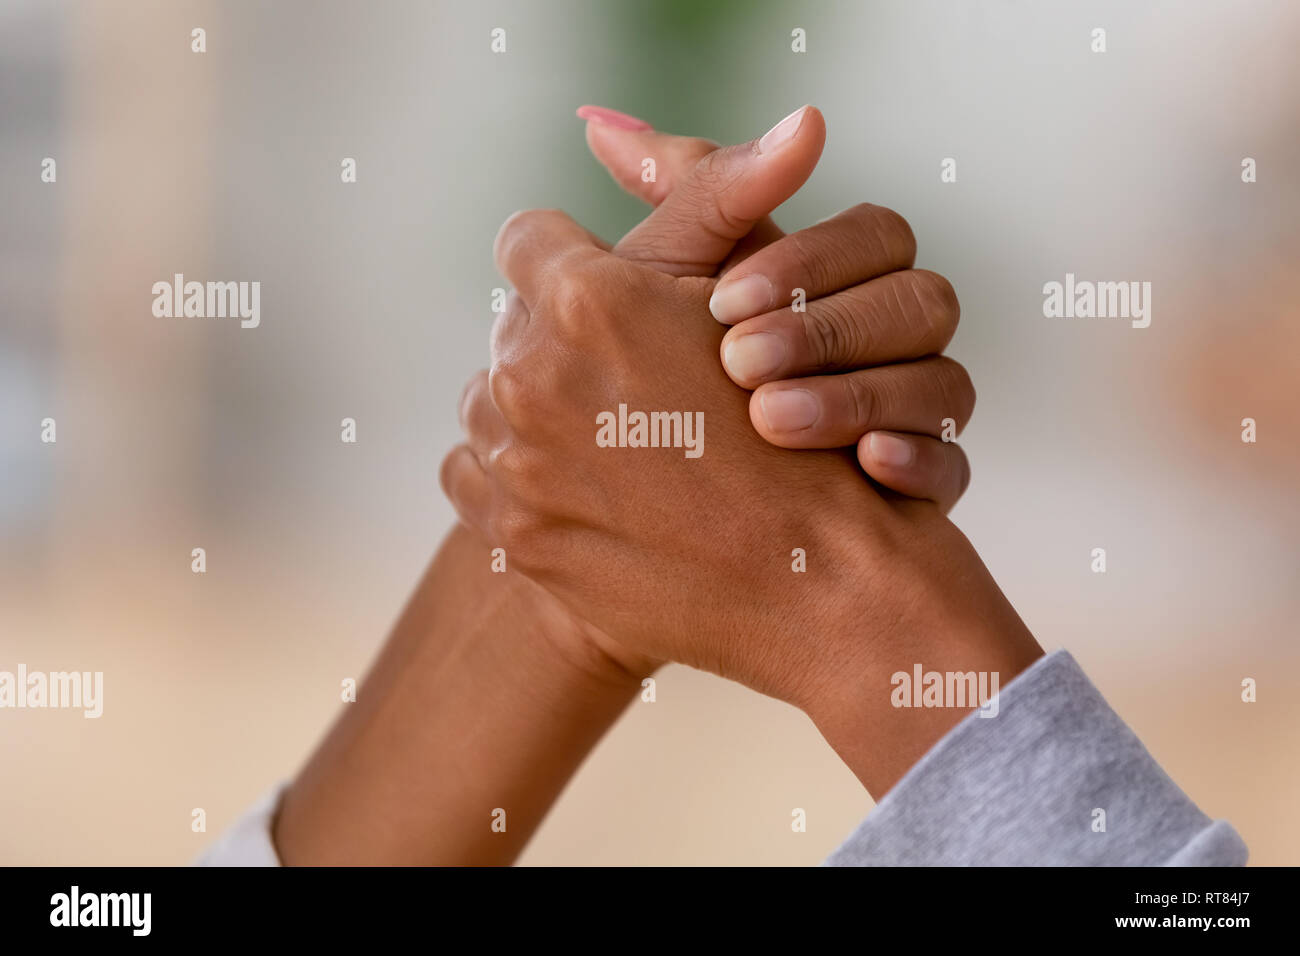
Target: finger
833	411
900	316
480	419
623	150
623	143
533	246
698	224
764	233
916	465
465	484
853	246
507	326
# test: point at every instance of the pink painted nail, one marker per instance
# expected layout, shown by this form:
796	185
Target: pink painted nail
608	117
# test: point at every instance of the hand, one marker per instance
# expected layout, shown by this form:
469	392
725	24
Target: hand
689	559
660	550
905	315
474	649
588	332
866	308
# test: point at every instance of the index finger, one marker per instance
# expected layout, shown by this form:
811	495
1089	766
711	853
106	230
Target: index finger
856	245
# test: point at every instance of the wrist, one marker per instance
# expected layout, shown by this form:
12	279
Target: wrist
523	619
587	652
911	652
478	701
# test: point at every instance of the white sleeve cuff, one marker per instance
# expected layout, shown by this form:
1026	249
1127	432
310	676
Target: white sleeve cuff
247	842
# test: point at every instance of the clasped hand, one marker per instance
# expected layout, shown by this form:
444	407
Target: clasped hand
696	561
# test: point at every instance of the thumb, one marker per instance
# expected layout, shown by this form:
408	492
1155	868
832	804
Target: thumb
645	162
623	143
697	225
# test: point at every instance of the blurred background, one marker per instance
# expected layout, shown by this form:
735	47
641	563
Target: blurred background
176	434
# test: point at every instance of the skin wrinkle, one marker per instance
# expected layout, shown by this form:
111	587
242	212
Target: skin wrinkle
863	403
834	333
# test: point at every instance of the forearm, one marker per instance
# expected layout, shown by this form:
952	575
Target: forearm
480	700
1056	779
956	620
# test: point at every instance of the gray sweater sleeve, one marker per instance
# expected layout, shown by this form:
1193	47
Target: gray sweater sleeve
1024	789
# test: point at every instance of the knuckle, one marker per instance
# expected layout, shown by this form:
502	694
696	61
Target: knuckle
507	232
834	333
714	176
510	390
569	293
515	465
574	298
956	389
469	395
515	229
518	529
509	324
726	224
712	171
681	156
819	263
525	227
451	472
890	232
861	400
937	303
445	475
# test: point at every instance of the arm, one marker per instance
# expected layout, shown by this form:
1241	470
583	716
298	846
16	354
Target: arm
488	693
898	588
1057	779
486	696
687	557
1011	790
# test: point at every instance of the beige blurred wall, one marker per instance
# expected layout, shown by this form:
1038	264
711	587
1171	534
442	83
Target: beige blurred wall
180	434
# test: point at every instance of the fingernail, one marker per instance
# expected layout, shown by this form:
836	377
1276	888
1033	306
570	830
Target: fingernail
742	299
890	449
782	132
789	409
752	358
608	117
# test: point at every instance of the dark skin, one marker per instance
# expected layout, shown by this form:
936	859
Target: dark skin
490	692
